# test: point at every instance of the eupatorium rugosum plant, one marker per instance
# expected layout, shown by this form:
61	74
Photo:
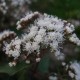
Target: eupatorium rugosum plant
40	31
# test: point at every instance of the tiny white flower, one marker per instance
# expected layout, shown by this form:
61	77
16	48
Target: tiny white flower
72	75
38	59
28	61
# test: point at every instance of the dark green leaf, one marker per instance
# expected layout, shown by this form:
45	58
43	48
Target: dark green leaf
5	68
44	64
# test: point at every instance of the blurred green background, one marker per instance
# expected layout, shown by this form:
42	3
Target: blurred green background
62	8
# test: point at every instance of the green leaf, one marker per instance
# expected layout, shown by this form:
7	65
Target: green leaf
21	75
5	68
44	64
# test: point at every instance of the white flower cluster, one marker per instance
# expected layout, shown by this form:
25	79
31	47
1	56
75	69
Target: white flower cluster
45	31
69	29
13	49
76	67
28	16
75	39
67	68
5	34
72	75
73	69
3	6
